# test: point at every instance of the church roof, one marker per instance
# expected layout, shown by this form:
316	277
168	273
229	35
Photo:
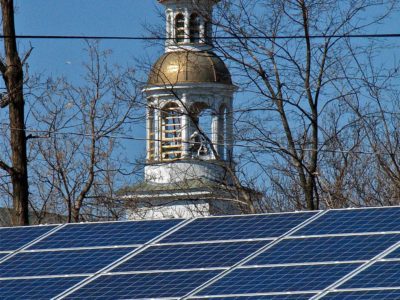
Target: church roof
190	189
189	67
45	217
148	186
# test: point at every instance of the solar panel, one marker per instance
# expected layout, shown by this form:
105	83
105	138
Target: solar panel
136	286
176	265
269	297
239	227
190	256
60	262
38	288
278	279
105	234
12	238
380	274
355	221
365	295
326	249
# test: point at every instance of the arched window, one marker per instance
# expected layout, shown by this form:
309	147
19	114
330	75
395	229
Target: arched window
171	137
200	134
207	32
179	28
194	28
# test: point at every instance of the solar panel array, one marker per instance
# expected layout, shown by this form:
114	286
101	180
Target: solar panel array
335	254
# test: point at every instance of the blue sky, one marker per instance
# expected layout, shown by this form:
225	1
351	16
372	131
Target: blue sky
98	18
77	17
89	18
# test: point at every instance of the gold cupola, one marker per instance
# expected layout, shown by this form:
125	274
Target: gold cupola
178	67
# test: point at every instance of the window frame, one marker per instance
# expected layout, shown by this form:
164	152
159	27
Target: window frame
179	26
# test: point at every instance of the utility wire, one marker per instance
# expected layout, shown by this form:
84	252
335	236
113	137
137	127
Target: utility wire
45	134
157	38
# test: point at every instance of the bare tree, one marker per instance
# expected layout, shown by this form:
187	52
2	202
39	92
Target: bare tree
376	105
297	81
78	156
12	70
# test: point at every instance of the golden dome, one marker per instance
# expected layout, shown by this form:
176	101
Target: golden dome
189	67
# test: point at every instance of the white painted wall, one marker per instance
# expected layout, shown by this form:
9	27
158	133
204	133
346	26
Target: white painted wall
181	170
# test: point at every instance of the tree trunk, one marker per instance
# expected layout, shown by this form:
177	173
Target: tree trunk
13	77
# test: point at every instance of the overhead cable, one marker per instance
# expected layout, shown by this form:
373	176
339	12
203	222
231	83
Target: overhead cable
156	38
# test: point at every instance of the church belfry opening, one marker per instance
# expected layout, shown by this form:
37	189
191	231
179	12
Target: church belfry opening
179	28
194	28
171	132
188	23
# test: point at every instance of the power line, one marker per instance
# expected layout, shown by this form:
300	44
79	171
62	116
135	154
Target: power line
47	134
157	38
271	148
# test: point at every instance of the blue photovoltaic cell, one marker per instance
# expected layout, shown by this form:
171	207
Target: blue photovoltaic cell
16	237
190	256
325	249
105	234
60	262
136	286
43	288
355	221
278	279
380	274
242	227
365	295
270	297
394	254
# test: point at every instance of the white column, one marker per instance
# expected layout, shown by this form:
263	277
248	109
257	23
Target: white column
185	128
187	27
229	133
221	133
169	28
173	26
185	135
157	131
202	31
215	132
149	137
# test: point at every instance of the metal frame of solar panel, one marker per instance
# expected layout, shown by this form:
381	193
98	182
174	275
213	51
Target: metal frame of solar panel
290	269
67	254
334	254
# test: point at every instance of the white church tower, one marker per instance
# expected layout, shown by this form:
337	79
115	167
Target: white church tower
189	123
